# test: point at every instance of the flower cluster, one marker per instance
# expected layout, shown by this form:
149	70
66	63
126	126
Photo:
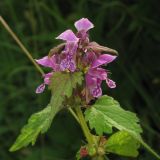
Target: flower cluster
77	53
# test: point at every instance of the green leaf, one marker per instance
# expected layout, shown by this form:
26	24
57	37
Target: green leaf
107	113
62	86
122	143
38	123
78	156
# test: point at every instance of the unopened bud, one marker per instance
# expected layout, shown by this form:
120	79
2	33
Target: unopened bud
83	152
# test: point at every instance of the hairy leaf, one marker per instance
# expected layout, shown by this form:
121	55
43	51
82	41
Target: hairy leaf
122	143
62	86
38	123
107	113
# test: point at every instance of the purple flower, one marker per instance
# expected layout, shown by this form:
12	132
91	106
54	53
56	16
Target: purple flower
96	75
70	50
68	36
41	87
83	26
103	59
51	62
78	53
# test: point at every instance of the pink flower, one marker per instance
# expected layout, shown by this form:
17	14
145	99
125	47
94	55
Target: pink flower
78	53
51	62
70	50
83	26
41	87
96	75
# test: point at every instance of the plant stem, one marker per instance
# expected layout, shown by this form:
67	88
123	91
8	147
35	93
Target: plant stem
74	115
80	117
27	53
84	126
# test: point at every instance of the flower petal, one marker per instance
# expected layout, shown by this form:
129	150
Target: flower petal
90	57
99	73
97	92
103	59
48	62
68	64
90	81
83	24
45	61
68	36
47	78
71	48
110	83
40	88
94	85
72	66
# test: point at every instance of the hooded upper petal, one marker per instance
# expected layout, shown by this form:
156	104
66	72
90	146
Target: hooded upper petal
103	59
68	36
83	24
48	62
45	61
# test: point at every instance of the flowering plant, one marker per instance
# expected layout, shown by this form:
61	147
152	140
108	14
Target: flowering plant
77	71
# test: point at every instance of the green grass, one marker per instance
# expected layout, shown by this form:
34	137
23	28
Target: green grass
130	26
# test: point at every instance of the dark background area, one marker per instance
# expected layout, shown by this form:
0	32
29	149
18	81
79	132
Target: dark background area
130	26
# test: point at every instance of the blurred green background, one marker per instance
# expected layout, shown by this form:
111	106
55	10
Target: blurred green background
130	26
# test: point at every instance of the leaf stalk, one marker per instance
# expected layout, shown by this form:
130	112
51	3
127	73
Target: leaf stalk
84	126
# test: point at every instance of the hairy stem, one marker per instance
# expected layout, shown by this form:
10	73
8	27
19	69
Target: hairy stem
27	53
87	132
74	115
79	117
84	126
